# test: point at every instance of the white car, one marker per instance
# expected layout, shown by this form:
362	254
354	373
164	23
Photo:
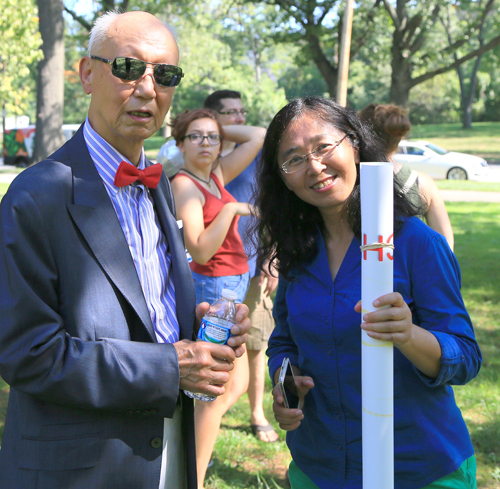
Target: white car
440	163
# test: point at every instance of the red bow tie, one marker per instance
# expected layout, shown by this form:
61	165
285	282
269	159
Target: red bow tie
127	174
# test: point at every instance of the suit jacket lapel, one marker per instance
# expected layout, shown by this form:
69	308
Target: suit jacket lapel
95	216
185	296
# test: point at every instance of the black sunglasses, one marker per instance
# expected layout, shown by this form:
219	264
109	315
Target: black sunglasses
131	69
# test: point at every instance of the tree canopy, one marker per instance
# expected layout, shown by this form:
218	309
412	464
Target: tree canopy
19	51
419	54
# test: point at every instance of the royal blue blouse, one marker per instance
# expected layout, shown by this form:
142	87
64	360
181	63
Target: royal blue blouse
318	329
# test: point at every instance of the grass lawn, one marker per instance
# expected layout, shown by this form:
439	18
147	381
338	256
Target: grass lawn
152	146
4	397
477	238
482	140
240	461
3	188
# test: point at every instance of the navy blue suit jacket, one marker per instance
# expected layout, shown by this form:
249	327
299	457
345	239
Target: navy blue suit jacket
90	385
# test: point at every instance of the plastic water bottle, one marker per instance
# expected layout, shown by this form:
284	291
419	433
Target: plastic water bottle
216	328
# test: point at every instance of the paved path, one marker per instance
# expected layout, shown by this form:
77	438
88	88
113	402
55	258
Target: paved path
469	196
7	177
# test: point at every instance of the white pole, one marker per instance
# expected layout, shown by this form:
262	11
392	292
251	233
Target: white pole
377	210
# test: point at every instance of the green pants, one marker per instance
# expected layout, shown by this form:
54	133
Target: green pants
463	478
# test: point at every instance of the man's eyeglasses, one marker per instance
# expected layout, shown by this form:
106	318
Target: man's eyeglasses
243	112
324	150
131	69
196	138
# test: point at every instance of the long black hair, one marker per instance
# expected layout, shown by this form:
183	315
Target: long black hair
287	226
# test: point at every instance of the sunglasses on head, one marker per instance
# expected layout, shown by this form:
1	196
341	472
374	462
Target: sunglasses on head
131	69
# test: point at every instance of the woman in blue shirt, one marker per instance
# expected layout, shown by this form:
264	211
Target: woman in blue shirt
310	224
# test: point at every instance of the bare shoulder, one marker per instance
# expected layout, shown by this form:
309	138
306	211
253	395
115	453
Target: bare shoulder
427	183
185	189
183	182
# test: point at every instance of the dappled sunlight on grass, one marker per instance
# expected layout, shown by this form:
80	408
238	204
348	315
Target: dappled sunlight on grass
4	398
477	234
242	461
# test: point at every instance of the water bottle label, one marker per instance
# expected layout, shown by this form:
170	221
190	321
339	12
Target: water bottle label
215	330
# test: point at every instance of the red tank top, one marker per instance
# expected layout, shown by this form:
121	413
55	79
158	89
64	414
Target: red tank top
230	258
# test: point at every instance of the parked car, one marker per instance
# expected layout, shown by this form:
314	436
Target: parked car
440	163
19	142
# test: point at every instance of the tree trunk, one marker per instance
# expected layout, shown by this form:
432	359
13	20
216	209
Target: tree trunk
256	55
468	98
327	70
50	86
463	90
401	72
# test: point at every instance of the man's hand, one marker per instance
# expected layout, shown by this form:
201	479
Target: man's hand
239	329
204	367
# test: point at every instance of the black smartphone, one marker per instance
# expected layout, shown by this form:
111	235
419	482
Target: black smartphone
286	381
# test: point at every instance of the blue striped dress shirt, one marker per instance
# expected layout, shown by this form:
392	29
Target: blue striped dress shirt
147	243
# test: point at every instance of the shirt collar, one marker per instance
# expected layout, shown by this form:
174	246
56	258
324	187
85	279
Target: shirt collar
106	158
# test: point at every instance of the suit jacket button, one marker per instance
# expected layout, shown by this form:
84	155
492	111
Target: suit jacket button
156	442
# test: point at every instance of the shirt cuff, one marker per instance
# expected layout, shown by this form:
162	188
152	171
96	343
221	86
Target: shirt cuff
452	360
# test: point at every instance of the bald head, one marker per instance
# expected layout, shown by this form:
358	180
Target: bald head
115	27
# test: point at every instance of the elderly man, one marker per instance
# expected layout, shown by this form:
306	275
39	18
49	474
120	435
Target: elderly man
97	305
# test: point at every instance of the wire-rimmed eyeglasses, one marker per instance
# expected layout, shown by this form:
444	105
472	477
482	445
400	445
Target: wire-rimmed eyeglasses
321	151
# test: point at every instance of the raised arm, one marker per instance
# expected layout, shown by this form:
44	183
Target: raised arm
437	215
249	140
202	243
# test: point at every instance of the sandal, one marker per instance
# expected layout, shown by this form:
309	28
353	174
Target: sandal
264	428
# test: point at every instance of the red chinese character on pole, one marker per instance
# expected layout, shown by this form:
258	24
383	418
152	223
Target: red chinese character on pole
380	249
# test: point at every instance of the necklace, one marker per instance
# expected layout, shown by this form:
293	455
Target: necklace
206	182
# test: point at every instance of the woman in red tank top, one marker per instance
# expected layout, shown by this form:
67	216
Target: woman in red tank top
210	217
209	213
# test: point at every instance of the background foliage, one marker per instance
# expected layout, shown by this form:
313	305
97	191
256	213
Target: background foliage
266	49
19	50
